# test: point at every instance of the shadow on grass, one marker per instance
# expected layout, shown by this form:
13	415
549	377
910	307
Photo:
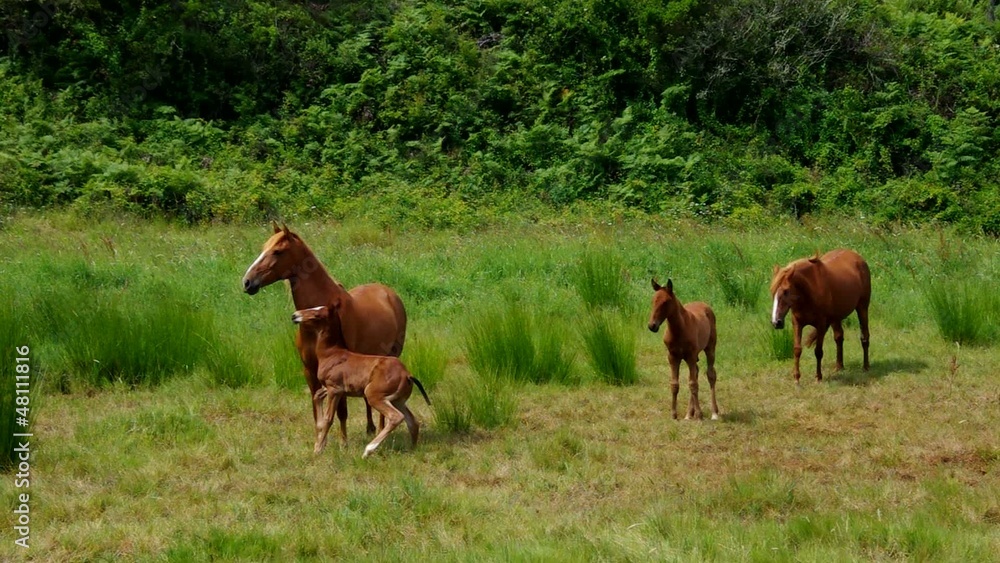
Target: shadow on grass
854	376
746	416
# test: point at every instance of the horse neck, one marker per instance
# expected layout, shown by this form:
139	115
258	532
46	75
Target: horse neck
676	316
314	288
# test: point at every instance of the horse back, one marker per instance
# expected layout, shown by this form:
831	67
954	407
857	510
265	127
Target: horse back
848	279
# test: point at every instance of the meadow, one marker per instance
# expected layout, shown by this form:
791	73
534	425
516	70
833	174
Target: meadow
172	421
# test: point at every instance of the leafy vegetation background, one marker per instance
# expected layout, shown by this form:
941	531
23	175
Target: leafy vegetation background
446	112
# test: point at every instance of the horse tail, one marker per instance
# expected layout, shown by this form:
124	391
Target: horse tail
421	387
811	338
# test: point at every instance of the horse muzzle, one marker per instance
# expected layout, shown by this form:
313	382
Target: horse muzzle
250	287
779	324
654	327
296	317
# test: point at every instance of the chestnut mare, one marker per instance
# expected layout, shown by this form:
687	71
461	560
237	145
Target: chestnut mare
822	292
690	329
374	320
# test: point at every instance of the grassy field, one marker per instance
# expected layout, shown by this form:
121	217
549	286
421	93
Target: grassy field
174	424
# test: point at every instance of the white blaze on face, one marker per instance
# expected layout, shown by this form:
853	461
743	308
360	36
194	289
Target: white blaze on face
774	311
255	262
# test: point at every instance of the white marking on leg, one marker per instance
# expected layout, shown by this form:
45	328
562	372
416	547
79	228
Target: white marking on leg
774	311
715	416
368	450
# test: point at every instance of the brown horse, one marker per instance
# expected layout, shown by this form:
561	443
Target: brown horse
822	292
373	316
690	329
383	381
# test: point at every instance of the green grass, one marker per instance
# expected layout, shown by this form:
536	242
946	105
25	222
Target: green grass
966	311
14	337
777	344
427	359
897	463
504	341
741	280
599	280
610	346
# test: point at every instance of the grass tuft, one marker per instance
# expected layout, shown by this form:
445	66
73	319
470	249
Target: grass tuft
610	349
965	312
777	344
599	279
739	278
483	401
504	342
426	358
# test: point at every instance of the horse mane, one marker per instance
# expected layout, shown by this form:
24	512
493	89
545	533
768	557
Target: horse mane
781	276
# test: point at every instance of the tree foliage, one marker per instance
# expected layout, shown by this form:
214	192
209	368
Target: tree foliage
238	108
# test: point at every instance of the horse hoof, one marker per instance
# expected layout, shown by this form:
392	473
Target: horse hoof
368	452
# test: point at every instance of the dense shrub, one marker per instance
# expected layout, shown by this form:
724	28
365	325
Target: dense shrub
429	112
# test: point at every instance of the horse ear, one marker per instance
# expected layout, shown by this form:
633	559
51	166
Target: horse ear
284	229
777	269
670	286
274	225
656	286
815	257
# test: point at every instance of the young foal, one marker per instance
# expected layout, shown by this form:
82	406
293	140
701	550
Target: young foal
822	292
382	380
690	329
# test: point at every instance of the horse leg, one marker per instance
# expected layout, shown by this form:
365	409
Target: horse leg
863	321
411	422
796	348
838	339
323	425
694	407
820	336
342	417
370	429
675	384
394	419
710	373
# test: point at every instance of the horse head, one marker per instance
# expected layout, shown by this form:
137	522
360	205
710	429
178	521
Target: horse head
323	320
664	301
280	260
785	293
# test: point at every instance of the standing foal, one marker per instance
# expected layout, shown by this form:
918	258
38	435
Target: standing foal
690	329
382	380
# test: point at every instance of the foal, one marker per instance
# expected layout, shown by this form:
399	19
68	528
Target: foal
690	329
382	380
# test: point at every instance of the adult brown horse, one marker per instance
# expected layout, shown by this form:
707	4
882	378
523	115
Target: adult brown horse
822	292
690	330
373	317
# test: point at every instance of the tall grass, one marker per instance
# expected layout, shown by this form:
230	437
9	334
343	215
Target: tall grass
776	344
486	402
599	279
426	358
505	342
965	311
610	346
13	334
741	280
